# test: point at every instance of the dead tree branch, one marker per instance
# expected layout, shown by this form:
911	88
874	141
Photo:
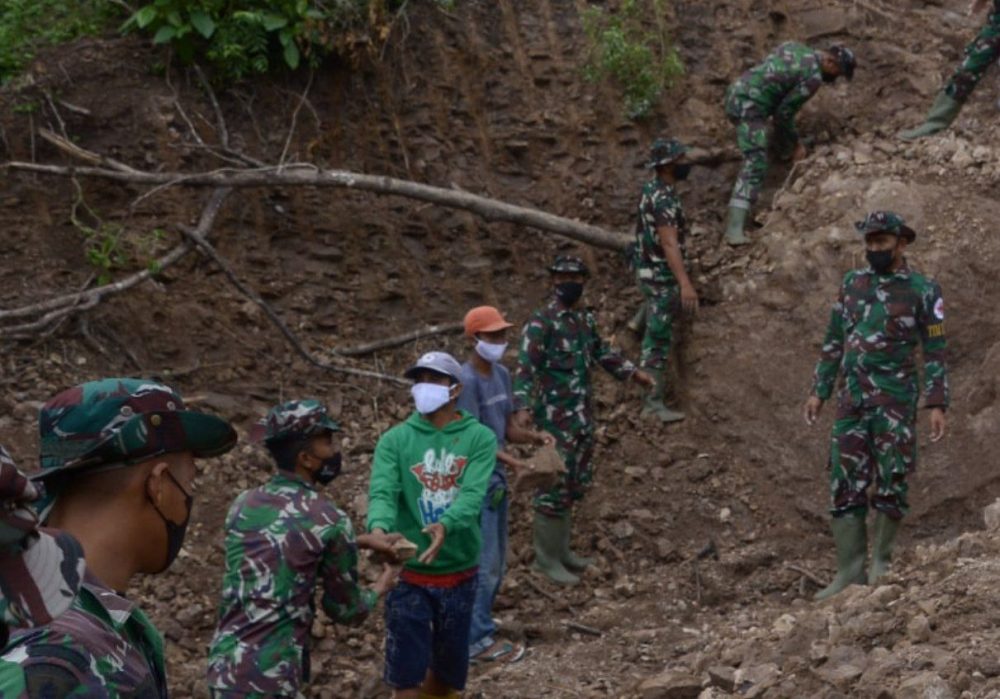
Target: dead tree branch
300	175
397	340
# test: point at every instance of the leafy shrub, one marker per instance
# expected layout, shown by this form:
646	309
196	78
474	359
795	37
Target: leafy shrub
632	48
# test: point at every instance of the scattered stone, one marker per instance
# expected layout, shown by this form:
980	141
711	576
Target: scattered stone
926	685
754	680
670	685
723	677
918	630
991	515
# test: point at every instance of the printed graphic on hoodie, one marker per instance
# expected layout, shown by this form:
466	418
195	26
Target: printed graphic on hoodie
439	475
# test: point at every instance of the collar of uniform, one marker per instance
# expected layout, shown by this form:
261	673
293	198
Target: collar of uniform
294	480
660	184
556	307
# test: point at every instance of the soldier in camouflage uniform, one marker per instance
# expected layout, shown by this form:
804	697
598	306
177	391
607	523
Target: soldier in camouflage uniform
559	345
882	315
660	230
776	88
117	461
979	56
283	540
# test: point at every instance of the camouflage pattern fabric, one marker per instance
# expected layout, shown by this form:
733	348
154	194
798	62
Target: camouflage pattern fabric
103	647
776	88
663	304
979	55
558	348
875	327
867	444
283	540
296	417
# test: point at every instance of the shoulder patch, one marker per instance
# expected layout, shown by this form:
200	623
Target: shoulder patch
939	308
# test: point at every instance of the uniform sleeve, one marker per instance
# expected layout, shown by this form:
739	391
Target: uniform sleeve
530	358
828	365
385	485
49	668
464	510
932	337
664	212
794	100
612	361
344	600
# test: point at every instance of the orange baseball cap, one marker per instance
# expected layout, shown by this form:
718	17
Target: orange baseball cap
484	319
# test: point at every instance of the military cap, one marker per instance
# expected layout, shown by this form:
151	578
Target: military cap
123	420
664	151
845	57
885	222
569	264
40	571
294	418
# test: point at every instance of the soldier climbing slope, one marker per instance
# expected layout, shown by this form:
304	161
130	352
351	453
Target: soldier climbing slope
284	540
118	457
979	55
882	315
776	88
559	345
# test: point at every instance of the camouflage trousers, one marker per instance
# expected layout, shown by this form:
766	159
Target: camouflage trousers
577	451
872	444
662	304
979	55
752	140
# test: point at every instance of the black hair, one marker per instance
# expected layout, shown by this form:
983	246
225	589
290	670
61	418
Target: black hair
285	452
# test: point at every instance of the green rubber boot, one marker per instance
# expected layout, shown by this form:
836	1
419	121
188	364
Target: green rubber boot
882	540
851	538
734	226
942	113
653	405
638	322
549	535
572	562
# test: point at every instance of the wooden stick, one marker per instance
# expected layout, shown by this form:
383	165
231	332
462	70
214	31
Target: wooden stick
583	628
397	340
805	573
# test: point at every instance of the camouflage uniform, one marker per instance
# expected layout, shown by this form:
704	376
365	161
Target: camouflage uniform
558	348
778	87
979	55
875	327
104	646
282	540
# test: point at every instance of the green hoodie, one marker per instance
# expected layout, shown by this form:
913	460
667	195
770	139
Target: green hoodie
423	475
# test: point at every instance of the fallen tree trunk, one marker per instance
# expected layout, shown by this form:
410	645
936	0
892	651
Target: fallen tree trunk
298	175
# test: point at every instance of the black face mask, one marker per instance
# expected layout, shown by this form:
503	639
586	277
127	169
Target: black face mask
681	172
175	532
880	260
328	469
829	77
569	292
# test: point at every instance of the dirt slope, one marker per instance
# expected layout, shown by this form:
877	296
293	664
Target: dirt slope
490	99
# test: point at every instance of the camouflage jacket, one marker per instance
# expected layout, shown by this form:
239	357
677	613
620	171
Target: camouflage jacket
558	347
104	647
658	206
779	87
282	540
875	327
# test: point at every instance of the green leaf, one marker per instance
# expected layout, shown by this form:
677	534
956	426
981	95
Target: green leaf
145	16
203	23
174	17
292	55
273	21
164	34
285	37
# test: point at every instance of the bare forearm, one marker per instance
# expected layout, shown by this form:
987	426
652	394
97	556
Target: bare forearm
672	252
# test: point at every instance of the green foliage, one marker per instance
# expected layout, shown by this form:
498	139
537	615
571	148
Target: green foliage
29	25
244	37
632	48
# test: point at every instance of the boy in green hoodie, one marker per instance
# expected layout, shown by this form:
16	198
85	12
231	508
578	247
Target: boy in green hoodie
428	482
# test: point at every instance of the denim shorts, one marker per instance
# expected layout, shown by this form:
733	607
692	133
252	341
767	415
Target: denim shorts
428	628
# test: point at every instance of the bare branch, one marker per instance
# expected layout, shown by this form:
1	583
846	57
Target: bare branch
295	119
397	340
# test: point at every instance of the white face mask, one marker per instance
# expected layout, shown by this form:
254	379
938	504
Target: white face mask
428	397
490	352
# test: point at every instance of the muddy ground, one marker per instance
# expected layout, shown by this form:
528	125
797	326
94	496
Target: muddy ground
490	98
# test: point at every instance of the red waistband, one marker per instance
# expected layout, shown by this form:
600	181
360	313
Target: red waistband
446	580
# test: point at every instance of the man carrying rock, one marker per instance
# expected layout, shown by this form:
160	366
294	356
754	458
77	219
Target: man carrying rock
559	345
979	56
284	540
660	230
881	317
776	88
118	457
429	478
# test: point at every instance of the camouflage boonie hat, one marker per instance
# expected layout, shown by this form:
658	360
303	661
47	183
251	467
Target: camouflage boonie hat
40	571
296	417
568	264
123	421
885	222
845	57
665	151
